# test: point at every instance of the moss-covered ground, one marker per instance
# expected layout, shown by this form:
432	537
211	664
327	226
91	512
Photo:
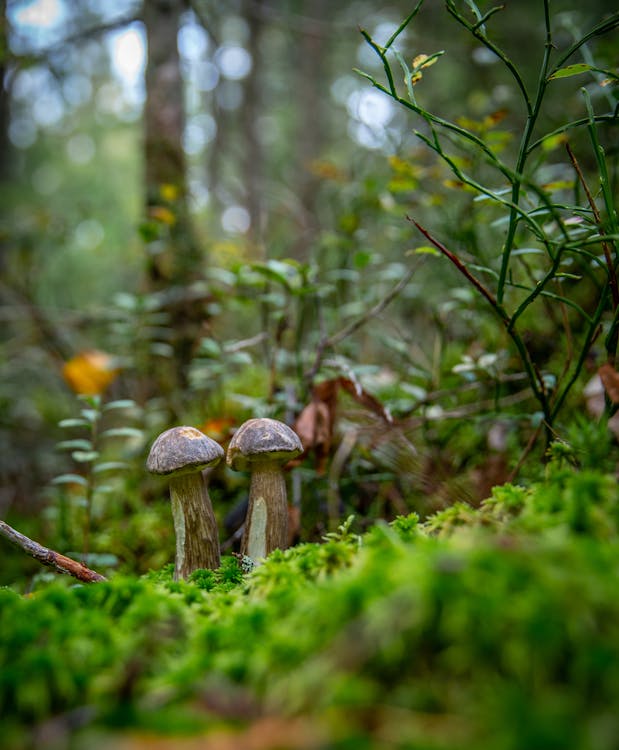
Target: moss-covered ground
494	628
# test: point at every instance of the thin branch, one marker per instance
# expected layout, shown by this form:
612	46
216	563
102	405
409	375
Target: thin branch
478	32
336	338
533	112
610	118
536	380
484	291
478	408
51	558
612	276
527	450
604	26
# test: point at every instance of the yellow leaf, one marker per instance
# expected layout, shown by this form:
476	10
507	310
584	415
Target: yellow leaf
169	192
419	62
402	184
162	214
405	169
327	170
495	118
558	185
469	124
398	164
423	61
90	372
458	185
554	141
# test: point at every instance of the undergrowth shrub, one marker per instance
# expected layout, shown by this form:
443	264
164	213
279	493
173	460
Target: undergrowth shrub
536	242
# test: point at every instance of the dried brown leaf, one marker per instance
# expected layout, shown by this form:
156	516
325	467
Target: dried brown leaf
610	380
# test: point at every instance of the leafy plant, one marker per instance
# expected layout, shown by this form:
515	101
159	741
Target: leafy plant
558	247
93	436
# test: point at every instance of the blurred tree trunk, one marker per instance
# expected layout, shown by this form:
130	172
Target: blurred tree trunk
164	158
312	73
5	146
253	167
173	256
6	150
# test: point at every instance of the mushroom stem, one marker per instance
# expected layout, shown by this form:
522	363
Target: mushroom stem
197	541
266	527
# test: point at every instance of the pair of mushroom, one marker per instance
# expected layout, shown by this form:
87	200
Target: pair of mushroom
261	446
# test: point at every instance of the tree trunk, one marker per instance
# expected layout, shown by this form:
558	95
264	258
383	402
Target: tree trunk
312	73
164	158
251	110
173	256
5	146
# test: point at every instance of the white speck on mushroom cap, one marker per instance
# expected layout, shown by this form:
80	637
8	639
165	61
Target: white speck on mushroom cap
262	440
182	450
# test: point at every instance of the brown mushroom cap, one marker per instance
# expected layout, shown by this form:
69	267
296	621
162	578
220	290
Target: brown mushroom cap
182	450
262	440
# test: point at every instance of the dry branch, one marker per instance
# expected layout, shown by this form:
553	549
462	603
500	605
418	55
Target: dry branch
60	563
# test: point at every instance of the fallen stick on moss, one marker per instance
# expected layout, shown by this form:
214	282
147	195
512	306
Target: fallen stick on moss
55	560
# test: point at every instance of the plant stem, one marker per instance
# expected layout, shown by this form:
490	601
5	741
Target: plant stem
522	158
535	379
331	341
612	275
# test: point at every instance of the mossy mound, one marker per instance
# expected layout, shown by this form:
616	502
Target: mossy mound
494	628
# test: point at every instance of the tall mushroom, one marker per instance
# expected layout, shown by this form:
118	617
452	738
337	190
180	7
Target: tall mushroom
263	446
181	454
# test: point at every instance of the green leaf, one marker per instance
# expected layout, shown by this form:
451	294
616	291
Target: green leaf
570	70
83	457
275	271
240	358
104	489
162	350
92	415
125	403
209	348
70	445
70	479
128	432
73	423
484	269
100	558
527	251
109	466
423	250
362	258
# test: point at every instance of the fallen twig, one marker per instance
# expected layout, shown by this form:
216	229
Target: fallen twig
60	563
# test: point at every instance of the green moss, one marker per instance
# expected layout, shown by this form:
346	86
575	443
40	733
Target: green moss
495	627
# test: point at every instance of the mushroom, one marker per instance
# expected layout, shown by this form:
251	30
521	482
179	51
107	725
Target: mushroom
181	454
263	446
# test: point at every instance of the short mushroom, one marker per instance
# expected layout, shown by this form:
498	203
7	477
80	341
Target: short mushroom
181	454
263	446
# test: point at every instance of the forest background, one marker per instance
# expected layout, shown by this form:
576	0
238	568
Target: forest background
209	214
